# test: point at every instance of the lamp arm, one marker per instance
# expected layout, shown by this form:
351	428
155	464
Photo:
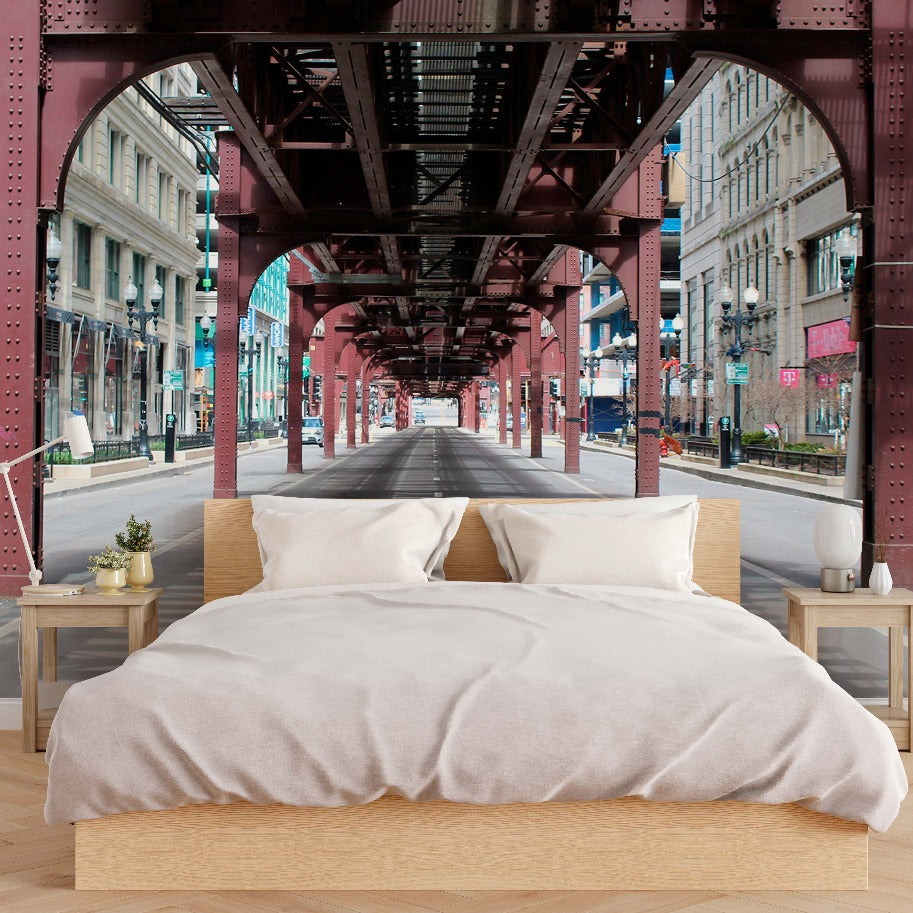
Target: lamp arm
34	573
31	453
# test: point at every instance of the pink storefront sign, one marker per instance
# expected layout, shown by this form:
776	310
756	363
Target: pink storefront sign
827	380
829	339
789	377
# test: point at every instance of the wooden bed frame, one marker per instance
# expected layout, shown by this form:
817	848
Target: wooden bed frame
621	844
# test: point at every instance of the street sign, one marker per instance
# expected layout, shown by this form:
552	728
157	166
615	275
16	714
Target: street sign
306	366
737	372
276	334
248	324
675	387
173	380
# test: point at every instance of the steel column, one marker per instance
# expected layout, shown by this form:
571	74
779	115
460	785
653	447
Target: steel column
502	401
571	384
515	395
328	394
294	404
889	336
365	402
225	476
649	395
351	396
535	384
21	310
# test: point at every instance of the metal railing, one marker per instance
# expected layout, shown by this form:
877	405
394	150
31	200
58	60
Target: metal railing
824	464
125	450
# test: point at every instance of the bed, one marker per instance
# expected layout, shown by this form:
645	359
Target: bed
392	843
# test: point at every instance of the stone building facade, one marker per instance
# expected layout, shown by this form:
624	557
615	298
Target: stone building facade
764	208
129	214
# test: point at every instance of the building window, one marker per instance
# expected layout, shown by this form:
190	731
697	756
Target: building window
182	211
115	158
82	255
83	370
824	262
161	278
163	197
114	382
112	269
50	368
178	300
142	180
139	278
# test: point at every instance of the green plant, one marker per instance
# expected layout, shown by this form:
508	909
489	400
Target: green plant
137	537
758	439
803	447
118	561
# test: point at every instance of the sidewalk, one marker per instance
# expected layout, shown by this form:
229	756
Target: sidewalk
58	488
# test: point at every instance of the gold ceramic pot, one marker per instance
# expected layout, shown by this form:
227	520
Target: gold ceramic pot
140	574
110	580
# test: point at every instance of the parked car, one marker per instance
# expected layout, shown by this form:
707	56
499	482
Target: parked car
419	418
387	420
312	430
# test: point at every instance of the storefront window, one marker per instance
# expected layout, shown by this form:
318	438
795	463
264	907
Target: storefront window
83	374
50	368
114	383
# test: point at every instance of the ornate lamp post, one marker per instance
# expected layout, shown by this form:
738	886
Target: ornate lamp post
208	328
667	340
591	363
52	254
622	349
735	322
250	350
846	251
142	318
282	364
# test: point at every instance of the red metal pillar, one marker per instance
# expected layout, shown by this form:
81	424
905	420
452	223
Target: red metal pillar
329	385
516	396
225	476
535	384
22	248
293	405
502	401
402	409
571	384
365	403
352	360
475	402
649	395
887	342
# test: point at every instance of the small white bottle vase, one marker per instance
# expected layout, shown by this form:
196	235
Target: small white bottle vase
880	582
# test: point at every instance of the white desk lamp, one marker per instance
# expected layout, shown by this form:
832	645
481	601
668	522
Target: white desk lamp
76	434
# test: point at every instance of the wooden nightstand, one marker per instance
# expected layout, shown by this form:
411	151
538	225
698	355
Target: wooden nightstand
810	609
135	611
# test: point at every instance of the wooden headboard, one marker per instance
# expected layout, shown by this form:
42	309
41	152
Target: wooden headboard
231	560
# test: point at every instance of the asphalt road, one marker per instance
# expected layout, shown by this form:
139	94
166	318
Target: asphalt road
776	528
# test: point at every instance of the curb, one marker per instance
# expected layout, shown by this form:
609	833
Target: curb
721	475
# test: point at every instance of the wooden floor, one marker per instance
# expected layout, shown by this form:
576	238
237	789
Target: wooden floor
36	876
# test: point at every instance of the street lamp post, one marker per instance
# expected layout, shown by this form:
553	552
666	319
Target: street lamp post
621	349
249	350
667	341
282	362
735	322
591	363
142	318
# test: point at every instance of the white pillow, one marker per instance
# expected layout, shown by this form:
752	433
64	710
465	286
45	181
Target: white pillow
646	549
352	545
448	511
492	514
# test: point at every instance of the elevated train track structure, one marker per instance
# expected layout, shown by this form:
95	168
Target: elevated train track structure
437	164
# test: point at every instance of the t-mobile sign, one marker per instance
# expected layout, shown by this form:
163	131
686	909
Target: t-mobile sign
829	339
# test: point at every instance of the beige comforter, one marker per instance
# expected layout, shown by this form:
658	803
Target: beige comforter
471	692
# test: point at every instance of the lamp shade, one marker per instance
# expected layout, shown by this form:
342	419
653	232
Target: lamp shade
838	536
77	434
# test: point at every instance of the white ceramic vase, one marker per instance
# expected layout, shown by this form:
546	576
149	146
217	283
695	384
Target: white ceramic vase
140	574
880	582
110	580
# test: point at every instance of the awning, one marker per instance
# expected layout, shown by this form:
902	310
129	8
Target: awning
58	314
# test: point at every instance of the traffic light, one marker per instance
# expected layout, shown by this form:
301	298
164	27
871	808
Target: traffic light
554	387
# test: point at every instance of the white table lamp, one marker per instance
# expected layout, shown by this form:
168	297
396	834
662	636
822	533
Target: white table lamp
76	434
838	544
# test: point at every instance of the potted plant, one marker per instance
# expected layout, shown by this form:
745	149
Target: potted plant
110	569
136	541
880	581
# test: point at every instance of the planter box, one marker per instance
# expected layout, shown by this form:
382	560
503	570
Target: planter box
184	456
97	470
794	474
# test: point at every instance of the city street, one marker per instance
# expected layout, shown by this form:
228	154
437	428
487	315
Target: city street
418	462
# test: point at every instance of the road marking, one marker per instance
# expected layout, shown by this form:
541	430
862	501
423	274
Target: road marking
770	575
9	627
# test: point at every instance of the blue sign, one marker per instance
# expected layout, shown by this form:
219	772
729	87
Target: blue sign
276	334
249	324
